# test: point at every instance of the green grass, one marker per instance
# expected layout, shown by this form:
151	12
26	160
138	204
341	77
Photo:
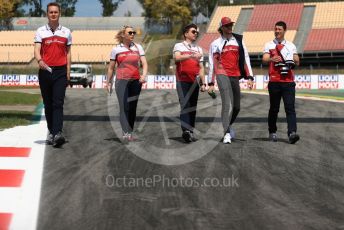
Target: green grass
15	98
9	119
329	94
25	69
326	94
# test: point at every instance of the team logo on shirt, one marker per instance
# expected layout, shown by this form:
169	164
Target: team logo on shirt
48	42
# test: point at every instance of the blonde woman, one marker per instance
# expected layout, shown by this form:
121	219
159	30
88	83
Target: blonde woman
126	58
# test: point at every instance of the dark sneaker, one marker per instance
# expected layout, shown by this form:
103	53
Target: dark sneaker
187	136
50	139
293	138
59	140
273	137
192	137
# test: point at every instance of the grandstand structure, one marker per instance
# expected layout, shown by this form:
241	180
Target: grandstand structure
93	38
317	29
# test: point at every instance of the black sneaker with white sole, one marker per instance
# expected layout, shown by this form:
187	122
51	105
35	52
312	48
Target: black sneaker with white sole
293	138
50	139
59	140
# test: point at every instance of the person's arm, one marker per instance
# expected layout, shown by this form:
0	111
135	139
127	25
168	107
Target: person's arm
248	68
110	70
266	58
202	76
69	61
247	61
144	69
211	77
296	59
38	57
181	57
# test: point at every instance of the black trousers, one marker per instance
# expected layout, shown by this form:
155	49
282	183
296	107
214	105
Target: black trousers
285	90
188	96
128	92
53	90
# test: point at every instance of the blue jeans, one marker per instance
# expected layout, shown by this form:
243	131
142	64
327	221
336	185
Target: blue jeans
285	90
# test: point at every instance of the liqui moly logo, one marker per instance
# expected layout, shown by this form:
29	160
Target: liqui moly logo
10	80
303	81
164	82
244	85
32	80
328	82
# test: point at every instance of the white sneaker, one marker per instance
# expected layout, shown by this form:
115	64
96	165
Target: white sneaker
232	132
227	139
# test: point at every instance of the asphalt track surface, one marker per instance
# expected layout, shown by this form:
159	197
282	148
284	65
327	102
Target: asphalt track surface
274	185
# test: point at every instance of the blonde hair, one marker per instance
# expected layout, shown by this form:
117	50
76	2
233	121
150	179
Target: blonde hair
120	33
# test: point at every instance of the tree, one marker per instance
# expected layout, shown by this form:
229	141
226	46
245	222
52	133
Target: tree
205	7
172	10
35	7
7	11
67	7
109	6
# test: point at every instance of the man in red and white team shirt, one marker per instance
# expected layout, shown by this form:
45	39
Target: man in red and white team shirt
228	62
281	55
126	57
53	54
189	64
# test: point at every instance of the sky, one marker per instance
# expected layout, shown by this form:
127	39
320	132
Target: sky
93	8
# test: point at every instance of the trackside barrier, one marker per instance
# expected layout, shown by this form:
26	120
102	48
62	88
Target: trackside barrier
335	81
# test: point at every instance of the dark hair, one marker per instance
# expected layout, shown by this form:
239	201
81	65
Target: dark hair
53	4
281	23
188	27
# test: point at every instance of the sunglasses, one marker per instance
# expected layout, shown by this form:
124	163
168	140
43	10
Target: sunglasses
131	32
194	32
228	26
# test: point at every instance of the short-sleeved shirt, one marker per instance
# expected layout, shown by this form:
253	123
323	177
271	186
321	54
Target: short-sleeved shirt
286	50
127	60
54	44
187	70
